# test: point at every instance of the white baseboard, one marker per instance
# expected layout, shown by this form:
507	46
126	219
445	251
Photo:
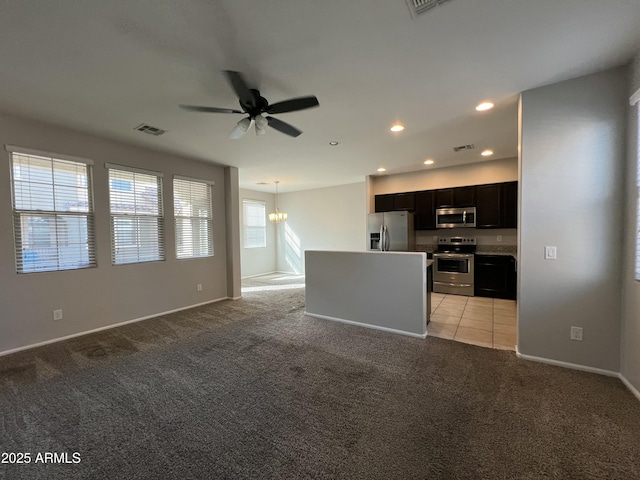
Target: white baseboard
234	298
573	366
366	325
630	386
107	327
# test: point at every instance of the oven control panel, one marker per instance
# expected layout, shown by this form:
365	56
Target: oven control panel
456	240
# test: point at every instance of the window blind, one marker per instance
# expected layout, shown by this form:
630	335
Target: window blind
137	221
635	100
254	222
638	193
53	215
193	218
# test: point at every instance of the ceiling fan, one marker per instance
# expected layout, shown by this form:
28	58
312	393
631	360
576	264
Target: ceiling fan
254	105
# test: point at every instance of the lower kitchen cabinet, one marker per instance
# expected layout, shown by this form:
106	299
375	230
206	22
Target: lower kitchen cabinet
495	276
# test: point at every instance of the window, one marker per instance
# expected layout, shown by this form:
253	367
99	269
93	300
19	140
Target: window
254	214
137	222
635	100
638	192
53	218
193	216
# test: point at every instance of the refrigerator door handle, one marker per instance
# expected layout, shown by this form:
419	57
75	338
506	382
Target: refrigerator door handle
381	243
386	239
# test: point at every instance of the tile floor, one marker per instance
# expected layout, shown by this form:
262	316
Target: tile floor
487	322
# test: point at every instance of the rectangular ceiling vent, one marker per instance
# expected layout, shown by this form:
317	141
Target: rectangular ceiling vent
471	146
144	128
416	7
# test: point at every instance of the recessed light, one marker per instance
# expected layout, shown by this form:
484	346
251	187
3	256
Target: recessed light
334	143
487	153
398	127
382	169
428	161
484	106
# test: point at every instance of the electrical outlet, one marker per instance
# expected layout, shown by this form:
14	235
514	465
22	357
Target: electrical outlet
57	314
435	238
576	333
550	253
199	287
499	238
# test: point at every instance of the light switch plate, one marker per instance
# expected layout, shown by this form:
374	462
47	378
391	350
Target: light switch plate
550	253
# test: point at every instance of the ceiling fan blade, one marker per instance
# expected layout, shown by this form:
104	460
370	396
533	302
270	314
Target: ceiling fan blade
293	104
197	108
241	88
283	127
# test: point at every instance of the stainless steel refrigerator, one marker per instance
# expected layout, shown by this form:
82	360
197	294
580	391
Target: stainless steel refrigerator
391	232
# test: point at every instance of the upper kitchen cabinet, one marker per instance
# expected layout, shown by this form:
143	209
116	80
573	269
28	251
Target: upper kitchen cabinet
384	203
395	201
489	206
456	197
510	205
425	210
497	205
444	198
404	201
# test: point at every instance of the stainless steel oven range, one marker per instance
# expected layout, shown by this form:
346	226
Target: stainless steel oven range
453	265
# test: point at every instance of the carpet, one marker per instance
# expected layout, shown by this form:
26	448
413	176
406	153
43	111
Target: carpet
254	389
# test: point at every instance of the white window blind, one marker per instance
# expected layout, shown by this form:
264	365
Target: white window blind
53	217
193	217
254	216
635	100
638	191
137	221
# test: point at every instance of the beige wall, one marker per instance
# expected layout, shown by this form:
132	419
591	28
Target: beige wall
106	295
494	171
630	346
332	218
571	182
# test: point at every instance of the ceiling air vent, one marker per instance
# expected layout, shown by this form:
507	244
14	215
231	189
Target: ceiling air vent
144	128
416	7
471	146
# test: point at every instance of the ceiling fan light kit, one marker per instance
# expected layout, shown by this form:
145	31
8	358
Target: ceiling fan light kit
241	128
254	105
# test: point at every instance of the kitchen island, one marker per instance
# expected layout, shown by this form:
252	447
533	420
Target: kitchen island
387	291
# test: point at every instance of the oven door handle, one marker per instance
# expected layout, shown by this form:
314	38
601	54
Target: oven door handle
454	284
453	255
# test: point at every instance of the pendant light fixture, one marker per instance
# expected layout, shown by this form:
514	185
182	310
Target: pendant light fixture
277	216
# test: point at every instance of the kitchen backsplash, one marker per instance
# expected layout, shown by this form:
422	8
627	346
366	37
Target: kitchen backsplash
486	240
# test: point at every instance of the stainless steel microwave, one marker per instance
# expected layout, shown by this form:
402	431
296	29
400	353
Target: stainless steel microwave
455	217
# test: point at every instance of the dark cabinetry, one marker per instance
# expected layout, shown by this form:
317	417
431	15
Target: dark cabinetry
455	197
404	201
425	210
384	203
510	205
488	206
495	276
395	201
496	204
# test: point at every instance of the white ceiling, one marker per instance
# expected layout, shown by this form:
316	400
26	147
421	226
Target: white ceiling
107	66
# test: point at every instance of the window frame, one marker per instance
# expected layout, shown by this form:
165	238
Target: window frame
635	101
56	220
210	249
246	226
152	221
